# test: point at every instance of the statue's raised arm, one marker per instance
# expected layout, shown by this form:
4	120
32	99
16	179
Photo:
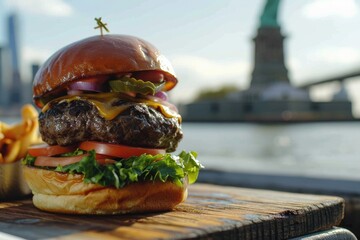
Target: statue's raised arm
269	15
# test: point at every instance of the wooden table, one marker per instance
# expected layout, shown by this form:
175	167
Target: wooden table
209	212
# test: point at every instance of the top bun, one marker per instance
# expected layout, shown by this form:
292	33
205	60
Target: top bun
99	55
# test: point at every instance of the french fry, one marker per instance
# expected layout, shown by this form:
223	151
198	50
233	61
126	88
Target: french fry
16	139
12	151
16	131
28	112
4	142
3	126
27	140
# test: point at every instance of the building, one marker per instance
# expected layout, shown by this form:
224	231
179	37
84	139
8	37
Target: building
13	42
14	91
4	77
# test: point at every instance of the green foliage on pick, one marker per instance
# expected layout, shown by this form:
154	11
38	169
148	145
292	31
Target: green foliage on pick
101	25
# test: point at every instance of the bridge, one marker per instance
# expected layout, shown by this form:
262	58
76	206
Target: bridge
339	78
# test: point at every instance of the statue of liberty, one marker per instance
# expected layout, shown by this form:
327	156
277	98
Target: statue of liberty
269	15
269	59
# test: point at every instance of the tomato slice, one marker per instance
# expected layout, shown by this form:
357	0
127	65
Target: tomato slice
117	150
152	76
46	161
46	150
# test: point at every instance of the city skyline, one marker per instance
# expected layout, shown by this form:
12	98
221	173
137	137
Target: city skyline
15	90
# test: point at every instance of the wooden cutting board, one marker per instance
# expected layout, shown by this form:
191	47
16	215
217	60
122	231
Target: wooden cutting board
209	212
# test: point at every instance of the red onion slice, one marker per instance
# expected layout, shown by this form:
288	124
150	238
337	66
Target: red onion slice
94	84
162	102
162	95
74	92
85	86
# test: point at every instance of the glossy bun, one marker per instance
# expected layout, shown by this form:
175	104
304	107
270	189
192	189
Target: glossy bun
67	193
99	55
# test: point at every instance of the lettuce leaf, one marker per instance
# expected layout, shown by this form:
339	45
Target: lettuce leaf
162	167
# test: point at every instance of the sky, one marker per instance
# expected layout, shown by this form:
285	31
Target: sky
209	42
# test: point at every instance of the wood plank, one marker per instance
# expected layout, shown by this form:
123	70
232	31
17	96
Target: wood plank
209	212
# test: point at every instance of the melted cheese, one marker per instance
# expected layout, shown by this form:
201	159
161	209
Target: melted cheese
106	110
103	102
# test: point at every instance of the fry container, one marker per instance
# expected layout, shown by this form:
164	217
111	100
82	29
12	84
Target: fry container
12	183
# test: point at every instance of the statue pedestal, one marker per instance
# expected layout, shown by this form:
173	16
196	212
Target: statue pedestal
269	65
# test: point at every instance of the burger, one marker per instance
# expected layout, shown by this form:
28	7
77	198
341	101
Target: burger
109	130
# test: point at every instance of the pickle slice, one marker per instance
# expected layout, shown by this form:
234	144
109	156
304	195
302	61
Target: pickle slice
127	84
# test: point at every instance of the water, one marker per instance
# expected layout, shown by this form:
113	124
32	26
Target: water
308	149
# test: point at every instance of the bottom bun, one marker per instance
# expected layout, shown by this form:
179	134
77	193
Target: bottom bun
67	193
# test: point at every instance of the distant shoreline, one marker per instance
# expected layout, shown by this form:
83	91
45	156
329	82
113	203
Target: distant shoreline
272	121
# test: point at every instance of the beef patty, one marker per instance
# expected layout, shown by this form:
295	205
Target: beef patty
67	123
